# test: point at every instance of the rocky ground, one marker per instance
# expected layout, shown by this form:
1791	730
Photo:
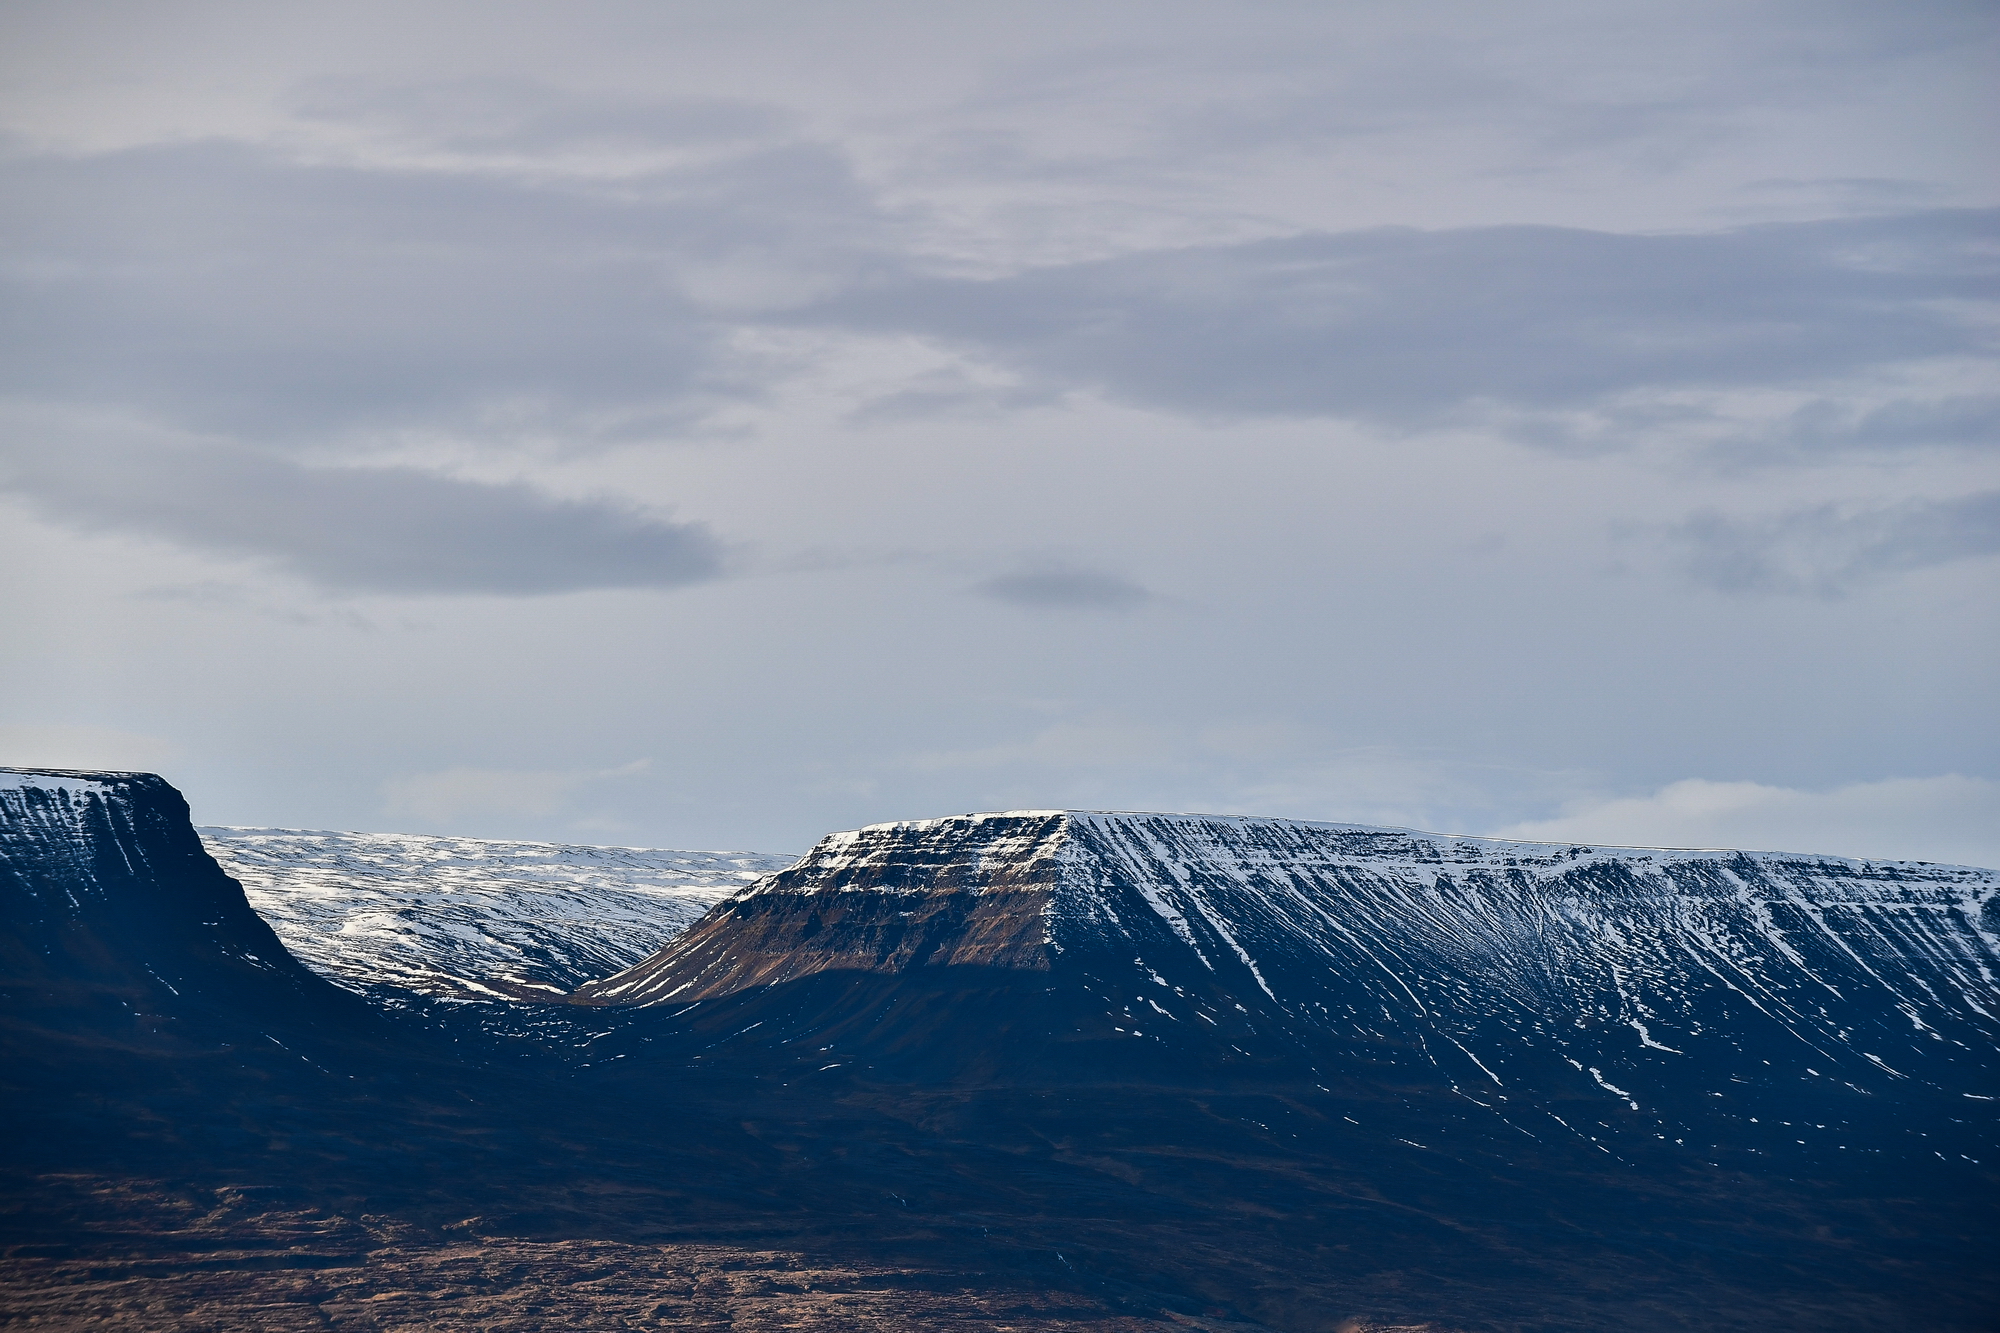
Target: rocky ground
500	1284
233	1259
227	1259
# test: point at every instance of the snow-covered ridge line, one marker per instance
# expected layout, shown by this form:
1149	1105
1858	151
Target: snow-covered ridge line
1242	892
59	779
452	840
389	914
1484	957
1250	843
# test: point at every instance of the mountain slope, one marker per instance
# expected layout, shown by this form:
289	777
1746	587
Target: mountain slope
1734	1003
150	1019
386	914
191	1114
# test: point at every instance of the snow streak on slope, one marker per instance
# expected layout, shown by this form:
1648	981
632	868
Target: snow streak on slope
471	919
1758	1003
1500	943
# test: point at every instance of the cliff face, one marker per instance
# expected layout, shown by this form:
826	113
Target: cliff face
143	1004
972	891
108	898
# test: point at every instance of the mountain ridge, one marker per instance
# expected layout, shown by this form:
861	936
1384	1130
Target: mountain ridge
1561	1095
976	816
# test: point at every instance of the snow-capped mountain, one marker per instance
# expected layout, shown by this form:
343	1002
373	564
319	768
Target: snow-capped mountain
467	918
1560	988
1258	1070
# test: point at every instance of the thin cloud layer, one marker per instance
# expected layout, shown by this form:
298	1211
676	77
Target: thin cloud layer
1409	328
512	117
1829	550
392	530
454	796
1949	818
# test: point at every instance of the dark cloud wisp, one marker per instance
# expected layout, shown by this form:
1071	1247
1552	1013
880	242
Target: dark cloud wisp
389	530
227	289
1061	587
1828	551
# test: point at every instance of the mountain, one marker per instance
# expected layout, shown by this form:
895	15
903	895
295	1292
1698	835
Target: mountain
120	926
151	1022
198	1131
1722	1078
1687	995
1037	1070
388	915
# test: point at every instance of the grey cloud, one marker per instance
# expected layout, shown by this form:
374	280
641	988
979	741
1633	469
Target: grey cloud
1961	419
223	288
495	115
388	530
1411	328
1064	587
1858	191
945	395
1828	550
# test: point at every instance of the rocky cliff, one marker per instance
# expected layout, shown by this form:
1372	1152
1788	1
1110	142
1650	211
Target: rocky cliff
118	922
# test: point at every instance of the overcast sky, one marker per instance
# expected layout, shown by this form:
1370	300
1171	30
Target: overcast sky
716	424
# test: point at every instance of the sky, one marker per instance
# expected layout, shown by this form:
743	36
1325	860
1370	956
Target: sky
712	425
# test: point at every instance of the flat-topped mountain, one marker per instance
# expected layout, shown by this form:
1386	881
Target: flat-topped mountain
390	915
119	924
1717	999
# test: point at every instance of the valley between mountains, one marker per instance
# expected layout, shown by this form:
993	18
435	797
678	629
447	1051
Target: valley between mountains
1027	1070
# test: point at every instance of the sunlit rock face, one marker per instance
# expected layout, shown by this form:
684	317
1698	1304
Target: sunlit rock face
1725	1002
392	916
